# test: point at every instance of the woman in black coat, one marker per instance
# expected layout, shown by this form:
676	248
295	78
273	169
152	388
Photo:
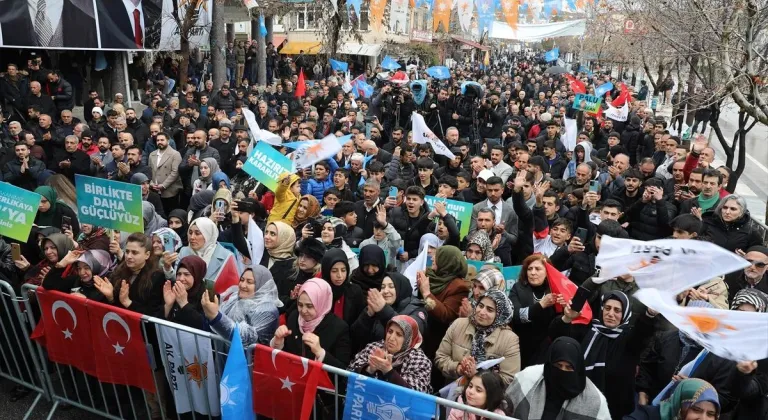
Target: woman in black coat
394	298
534	310
348	300
613	347
312	330
729	224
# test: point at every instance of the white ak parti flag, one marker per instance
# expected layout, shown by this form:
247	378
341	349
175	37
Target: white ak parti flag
617	114
733	335
308	154
422	134
190	371
418	264
258	134
671	265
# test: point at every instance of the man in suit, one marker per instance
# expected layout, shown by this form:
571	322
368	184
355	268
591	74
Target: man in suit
129	24
101	158
505	218
48	23
500	168
164	163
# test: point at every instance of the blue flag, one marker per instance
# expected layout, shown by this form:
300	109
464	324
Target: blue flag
486	13
339	65
390	63
439	72
602	89
419	94
362	88
470	83
369	398
262	26
236	395
552	55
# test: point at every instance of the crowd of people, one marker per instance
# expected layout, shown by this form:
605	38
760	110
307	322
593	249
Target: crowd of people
328	281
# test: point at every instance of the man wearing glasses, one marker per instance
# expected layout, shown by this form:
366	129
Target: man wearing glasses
753	276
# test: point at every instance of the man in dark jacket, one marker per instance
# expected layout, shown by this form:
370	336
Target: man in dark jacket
649	217
14	87
70	161
366	208
24	170
631	137
60	91
132	165
411	221
224	100
36	97
755	276
491	116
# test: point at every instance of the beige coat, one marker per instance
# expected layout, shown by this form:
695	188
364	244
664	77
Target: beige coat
167	172
457	343
716	289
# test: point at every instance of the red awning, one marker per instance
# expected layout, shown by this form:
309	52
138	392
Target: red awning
278	39
471	43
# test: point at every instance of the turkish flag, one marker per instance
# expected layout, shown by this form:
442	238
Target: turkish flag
562	285
576	85
64	329
623	96
301	85
228	276
284	385
118	347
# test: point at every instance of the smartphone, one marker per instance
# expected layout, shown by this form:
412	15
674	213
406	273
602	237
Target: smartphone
168	243
580	298
393	192
211	293
16	251
594	186
685	189
219	205
581	233
66	222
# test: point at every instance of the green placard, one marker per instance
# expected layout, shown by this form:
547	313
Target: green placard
18	208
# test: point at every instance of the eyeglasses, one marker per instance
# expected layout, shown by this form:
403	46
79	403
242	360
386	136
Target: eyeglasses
758	264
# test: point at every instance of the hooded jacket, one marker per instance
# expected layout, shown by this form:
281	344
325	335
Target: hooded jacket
570	170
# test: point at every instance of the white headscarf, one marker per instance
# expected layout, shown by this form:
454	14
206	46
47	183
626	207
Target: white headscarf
210	233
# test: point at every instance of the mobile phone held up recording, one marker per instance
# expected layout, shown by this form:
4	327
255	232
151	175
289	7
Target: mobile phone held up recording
580	298
16	252
581	233
393	192
594	186
66	223
168	245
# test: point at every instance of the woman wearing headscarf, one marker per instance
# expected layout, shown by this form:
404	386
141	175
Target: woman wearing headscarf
372	269
152	220
395	298
220	180
208	167
312	330
92	237
348	300
332	236
162	236
488	278
558	389
279	257
479	247
484	335
534	309
182	298
442	288
751	376
89	264
220	210
397	358
178	221
56	264
309	254
51	211
308	208
203	236
251	305
689	399
612	347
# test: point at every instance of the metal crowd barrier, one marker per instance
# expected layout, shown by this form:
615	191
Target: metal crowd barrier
27	364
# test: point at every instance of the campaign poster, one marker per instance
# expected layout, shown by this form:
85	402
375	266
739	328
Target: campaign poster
18	208
110	204
587	103
266	165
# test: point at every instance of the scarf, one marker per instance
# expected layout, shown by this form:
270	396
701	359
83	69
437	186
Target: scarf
211	235
63	245
183	217
491	278
87	241
481	239
286	241
370	255
320	295
504	312
265	295
49	217
330	259
707	203
197	267
97	260
685	394
451	265
411	337
600	337
312	210
152	220
752	297
169	233
214	166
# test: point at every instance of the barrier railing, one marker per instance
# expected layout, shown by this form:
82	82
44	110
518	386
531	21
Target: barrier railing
65	385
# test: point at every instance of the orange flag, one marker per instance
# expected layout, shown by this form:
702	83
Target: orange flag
442	13
510	8
377	13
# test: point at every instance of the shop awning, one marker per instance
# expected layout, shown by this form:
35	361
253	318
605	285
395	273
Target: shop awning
295	47
278	39
470	43
368	50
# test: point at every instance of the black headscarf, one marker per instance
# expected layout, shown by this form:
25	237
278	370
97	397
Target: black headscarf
598	339
370	255
561	385
403	289
182	231
330	258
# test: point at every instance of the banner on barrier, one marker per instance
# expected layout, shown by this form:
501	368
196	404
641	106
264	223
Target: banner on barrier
110	204
18	208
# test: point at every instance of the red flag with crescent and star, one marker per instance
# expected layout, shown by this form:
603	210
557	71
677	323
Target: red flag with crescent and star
118	347
284	385
562	285
64	329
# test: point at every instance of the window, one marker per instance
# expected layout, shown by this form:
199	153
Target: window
306	18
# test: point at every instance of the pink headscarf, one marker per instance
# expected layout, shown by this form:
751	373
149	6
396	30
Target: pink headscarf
319	292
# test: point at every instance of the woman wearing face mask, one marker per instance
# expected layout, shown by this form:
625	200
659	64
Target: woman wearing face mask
484	335
252	305
136	284
690	399
332	236
203	236
534	309
397	358
177	220
309	253
348	301
372	269
208	167
182	297
558	389
613	347
484	391
394	298
313	330
279	258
